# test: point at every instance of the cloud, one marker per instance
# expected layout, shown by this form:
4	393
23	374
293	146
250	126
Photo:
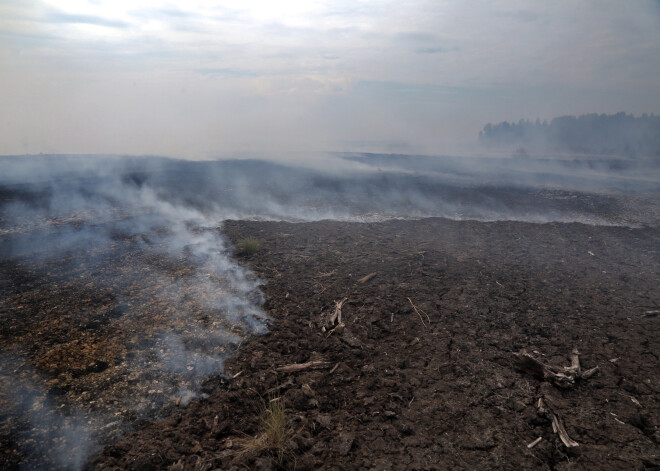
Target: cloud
416	36
61	17
224	72
435	50
172	13
429	70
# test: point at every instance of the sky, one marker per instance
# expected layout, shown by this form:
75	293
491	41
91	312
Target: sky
200	79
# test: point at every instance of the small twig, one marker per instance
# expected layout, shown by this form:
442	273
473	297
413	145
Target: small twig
615	418
294	367
364	279
286	384
418	313
534	443
557	426
335	328
322	290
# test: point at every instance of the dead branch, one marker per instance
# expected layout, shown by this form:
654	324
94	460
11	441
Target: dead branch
530	365
310	365
563	377
364	279
336	316
417	310
590	372
557	426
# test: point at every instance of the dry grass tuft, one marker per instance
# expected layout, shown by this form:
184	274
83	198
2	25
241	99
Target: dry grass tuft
275	440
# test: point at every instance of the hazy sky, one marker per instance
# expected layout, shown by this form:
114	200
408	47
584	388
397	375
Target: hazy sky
200	78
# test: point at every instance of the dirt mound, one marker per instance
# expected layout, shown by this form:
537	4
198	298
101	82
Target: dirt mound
422	373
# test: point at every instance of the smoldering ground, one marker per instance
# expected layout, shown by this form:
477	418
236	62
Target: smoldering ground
120	297
163	305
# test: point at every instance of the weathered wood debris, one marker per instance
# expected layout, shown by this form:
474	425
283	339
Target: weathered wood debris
564	377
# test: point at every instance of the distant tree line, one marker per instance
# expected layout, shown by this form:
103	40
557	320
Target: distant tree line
618	134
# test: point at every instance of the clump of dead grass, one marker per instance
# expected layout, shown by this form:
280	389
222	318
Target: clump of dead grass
276	438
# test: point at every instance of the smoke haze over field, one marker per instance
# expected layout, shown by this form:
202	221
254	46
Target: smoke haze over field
201	78
164	302
119	294
348	186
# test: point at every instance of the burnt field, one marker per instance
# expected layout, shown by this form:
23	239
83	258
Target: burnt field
399	390
135	335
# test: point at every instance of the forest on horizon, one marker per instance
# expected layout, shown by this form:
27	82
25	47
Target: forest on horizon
616	134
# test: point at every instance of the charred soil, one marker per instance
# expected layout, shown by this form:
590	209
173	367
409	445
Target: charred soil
422	373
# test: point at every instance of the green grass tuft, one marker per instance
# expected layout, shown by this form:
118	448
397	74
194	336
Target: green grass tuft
249	245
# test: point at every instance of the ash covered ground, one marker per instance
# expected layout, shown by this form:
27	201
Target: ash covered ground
122	297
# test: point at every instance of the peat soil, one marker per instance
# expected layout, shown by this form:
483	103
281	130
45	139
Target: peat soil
423	374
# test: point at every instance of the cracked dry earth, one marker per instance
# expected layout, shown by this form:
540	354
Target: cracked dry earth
399	390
